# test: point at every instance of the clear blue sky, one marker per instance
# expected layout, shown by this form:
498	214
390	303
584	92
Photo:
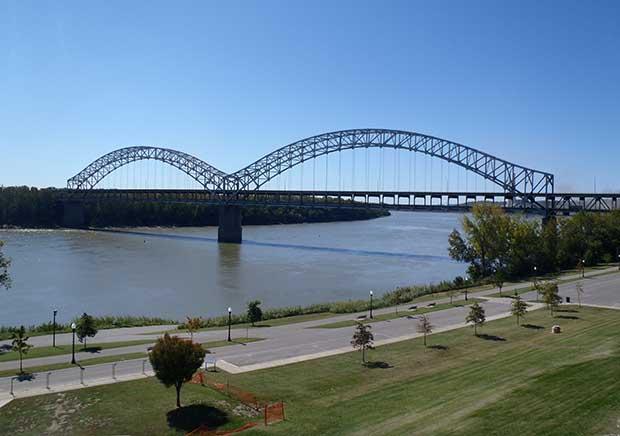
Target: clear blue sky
533	82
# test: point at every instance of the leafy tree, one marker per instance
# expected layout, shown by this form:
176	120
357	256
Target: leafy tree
424	326
175	360
476	317
452	293
20	345
580	292
5	262
255	313
486	242
86	327
551	296
192	325
518	308
362	339
498	280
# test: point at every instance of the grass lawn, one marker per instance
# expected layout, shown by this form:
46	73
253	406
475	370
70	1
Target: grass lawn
509	381
400	314
138	407
35	352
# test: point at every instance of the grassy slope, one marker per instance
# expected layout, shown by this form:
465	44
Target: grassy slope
517	381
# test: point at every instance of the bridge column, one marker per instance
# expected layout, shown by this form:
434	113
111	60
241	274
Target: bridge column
229	225
73	214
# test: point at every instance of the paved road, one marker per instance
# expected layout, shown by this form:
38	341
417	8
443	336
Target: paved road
287	343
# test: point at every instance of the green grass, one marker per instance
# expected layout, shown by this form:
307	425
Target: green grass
400	314
515	381
137	407
36	352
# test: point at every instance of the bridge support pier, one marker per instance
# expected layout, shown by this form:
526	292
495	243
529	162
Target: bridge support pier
229	225
73	214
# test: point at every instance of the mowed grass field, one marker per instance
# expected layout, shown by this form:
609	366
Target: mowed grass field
513	381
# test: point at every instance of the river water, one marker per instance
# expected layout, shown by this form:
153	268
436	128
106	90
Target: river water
175	272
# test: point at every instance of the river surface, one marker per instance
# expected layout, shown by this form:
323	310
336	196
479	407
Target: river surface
175	272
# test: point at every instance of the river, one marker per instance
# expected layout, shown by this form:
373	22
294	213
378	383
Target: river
175	272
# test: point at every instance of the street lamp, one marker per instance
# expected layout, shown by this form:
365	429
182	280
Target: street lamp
618	262
229	322
54	329
534	283
370	304
583	268
73	327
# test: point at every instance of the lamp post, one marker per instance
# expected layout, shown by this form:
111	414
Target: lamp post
618	261
54	329
534	282
583	268
73	326
370	304
229	322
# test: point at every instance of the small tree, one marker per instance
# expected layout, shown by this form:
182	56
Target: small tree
424	326
20	345
551	296
86	327
580	292
465	292
518	308
362	339
452	293
175	360
193	325
255	313
476	316
498	280
538	287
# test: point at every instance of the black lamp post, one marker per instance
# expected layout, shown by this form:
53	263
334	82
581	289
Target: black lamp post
73	326
534	283
370	304
583	268
54	329
229	322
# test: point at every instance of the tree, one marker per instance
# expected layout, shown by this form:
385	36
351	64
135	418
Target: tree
518	308
255	314
452	293
192	325
362	339
498	280
580	291
476	316
86	327
175	360
5	262
551	296
20	345
424	326
486	242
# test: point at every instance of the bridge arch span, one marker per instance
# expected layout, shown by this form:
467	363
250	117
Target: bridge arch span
207	175
509	176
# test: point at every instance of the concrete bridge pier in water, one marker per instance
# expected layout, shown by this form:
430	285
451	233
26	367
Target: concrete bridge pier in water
229	224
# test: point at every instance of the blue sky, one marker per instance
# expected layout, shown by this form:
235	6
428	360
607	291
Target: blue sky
532	82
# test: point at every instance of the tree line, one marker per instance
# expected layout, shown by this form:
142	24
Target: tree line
23	206
500	245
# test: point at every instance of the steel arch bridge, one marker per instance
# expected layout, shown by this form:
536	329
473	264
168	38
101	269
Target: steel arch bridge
208	176
512	178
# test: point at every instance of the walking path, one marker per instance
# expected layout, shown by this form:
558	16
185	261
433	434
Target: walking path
287	343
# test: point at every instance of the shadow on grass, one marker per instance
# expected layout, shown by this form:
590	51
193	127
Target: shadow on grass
533	326
566	317
378	365
437	347
491	337
567	310
189	418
